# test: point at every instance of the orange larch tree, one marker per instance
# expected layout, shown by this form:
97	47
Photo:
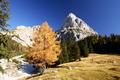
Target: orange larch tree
46	47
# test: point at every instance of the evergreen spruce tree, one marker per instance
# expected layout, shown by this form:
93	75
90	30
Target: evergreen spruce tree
64	56
84	48
8	47
70	45
4	13
76	52
90	46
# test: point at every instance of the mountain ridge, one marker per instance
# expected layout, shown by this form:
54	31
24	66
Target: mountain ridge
72	27
75	26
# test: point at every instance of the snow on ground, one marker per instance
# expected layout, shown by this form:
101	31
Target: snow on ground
11	71
18	75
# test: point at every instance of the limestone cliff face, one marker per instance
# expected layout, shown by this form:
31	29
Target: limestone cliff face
25	34
75	27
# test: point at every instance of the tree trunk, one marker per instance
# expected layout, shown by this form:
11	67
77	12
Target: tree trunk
41	68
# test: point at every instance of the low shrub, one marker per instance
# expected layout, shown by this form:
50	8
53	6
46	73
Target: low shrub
16	61
1	69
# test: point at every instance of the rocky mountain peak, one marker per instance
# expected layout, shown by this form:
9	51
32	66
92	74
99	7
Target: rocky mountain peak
72	16
75	27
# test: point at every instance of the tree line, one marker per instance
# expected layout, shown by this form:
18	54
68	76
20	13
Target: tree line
73	50
104	44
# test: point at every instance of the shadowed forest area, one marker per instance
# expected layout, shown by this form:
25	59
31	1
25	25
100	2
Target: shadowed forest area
72	50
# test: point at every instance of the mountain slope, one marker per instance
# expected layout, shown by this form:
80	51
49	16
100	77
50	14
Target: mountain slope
25	34
75	27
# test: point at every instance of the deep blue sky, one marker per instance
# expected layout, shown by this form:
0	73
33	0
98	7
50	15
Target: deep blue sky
102	15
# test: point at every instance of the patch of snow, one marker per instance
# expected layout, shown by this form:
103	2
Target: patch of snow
3	63
11	71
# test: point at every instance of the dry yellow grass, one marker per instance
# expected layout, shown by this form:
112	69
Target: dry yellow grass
95	67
